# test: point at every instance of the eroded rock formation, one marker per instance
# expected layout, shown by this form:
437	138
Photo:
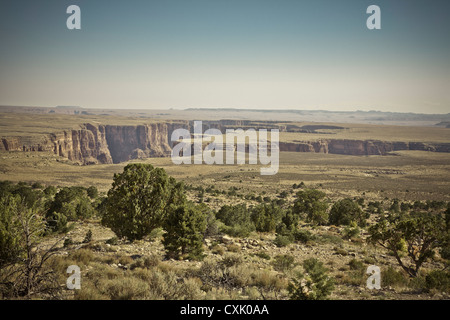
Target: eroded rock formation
106	144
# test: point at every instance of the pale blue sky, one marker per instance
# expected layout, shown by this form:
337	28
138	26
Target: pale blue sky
287	54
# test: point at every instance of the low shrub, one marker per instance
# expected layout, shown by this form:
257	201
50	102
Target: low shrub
283	262
438	280
393	278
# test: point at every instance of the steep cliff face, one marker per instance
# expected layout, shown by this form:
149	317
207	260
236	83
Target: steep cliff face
10	144
133	142
87	145
106	144
360	147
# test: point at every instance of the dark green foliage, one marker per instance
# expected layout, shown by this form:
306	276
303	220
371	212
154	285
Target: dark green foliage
417	235
29	196
212	226
283	194
374	207
404	206
92	192
5	188
282	240
88	236
266	217
37	185
67	242
112	241
139	200
11	240
297	186
289	223
310	204
73	203
303	236
69	204
315	284
439	280
395	206
50	191
346	211
237	220
185	226
21	263
56	222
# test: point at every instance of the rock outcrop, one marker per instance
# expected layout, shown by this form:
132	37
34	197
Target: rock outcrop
106	144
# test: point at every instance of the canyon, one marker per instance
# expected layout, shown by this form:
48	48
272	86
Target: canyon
108	143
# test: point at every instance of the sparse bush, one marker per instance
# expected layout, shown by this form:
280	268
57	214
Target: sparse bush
216	249
233	247
230	260
262	255
328	238
146	262
112	241
283	240
88	236
268	283
126	288
315	284
23	263
81	256
416	235
351	231
67	242
303	236
355	264
340	251
393	278
92	192
283	262
438	280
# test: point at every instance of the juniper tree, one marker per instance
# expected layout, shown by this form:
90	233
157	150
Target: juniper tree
139	200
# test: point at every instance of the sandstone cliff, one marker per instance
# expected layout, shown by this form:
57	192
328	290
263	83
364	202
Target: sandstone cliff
106	144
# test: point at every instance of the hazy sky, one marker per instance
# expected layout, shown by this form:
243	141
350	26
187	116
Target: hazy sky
287	54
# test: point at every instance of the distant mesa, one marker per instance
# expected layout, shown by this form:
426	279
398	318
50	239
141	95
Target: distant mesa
69	107
444	124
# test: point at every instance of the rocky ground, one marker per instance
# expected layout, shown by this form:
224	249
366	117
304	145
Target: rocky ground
334	252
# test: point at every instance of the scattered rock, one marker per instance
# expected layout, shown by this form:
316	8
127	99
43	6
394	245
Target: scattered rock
226	239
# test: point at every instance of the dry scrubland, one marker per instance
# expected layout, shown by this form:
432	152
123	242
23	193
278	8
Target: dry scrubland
252	267
242	268
406	175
